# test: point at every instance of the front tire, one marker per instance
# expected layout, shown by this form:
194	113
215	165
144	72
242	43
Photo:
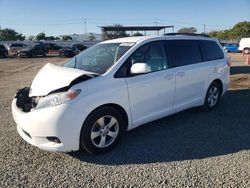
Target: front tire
212	97
102	130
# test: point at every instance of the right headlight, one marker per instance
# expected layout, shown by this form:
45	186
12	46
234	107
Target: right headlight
57	98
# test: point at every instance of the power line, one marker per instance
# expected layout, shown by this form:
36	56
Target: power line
100	20
85	29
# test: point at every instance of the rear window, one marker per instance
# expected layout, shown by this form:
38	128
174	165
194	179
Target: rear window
182	52
210	50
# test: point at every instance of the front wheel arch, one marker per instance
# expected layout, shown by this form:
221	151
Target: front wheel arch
116	107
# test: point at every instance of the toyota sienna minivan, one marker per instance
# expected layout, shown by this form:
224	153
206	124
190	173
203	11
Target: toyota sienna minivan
117	85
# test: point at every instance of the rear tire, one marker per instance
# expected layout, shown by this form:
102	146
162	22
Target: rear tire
102	130
212	97
246	51
5	55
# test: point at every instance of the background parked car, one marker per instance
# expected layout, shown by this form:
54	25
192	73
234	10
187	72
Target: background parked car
245	45
32	51
69	51
80	46
3	51
14	48
231	47
51	46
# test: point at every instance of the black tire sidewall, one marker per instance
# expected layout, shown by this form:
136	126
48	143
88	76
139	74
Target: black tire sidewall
246	49
85	139
206	105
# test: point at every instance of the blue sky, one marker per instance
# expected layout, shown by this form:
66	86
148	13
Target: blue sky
67	16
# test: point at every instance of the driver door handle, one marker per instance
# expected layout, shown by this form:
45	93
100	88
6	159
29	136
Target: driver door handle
181	74
169	76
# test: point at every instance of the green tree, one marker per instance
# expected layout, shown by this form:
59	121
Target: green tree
50	38
66	37
187	30
31	37
240	30
10	34
116	34
41	36
213	34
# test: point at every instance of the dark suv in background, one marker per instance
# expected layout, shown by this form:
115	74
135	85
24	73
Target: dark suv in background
51	46
3	51
79	46
69	51
33	51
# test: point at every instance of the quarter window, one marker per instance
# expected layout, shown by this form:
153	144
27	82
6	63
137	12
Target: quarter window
210	50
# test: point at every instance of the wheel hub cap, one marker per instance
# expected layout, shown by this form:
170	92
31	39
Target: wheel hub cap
213	96
104	131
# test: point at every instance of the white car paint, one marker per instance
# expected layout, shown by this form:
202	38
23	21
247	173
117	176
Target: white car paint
244	44
144	98
52	77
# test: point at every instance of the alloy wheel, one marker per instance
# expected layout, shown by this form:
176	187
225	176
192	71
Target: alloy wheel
104	131
213	96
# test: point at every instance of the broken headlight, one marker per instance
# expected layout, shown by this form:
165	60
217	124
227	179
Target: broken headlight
57	98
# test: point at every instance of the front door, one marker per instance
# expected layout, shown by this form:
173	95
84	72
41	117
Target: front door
151	95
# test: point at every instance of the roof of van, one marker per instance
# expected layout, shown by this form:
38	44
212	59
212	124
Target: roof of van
139	38
128	39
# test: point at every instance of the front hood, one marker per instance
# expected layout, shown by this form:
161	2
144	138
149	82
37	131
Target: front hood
52	77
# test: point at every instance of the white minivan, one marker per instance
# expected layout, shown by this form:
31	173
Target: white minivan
244	45
117	85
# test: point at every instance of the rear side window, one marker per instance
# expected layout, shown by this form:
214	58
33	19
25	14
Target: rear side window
210	50
183	52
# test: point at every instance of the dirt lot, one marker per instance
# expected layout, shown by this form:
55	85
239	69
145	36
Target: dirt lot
192	148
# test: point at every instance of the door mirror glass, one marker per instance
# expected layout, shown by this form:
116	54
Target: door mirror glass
140	68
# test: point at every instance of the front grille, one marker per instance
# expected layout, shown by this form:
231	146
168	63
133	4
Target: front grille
24	102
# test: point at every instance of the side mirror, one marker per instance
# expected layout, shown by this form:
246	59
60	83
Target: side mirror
140	68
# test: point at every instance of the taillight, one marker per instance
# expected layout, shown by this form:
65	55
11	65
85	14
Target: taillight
229	64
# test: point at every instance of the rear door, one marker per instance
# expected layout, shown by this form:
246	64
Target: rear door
190	72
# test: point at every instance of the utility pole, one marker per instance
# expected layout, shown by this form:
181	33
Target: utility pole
156	23
204	26
85	33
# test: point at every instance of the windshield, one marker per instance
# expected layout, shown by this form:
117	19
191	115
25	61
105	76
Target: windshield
99	58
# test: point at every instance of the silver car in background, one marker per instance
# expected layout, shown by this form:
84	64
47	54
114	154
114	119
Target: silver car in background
14	48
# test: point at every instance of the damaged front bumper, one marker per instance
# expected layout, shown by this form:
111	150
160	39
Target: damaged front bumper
54	128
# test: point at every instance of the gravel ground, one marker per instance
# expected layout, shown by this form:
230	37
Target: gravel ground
190	149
